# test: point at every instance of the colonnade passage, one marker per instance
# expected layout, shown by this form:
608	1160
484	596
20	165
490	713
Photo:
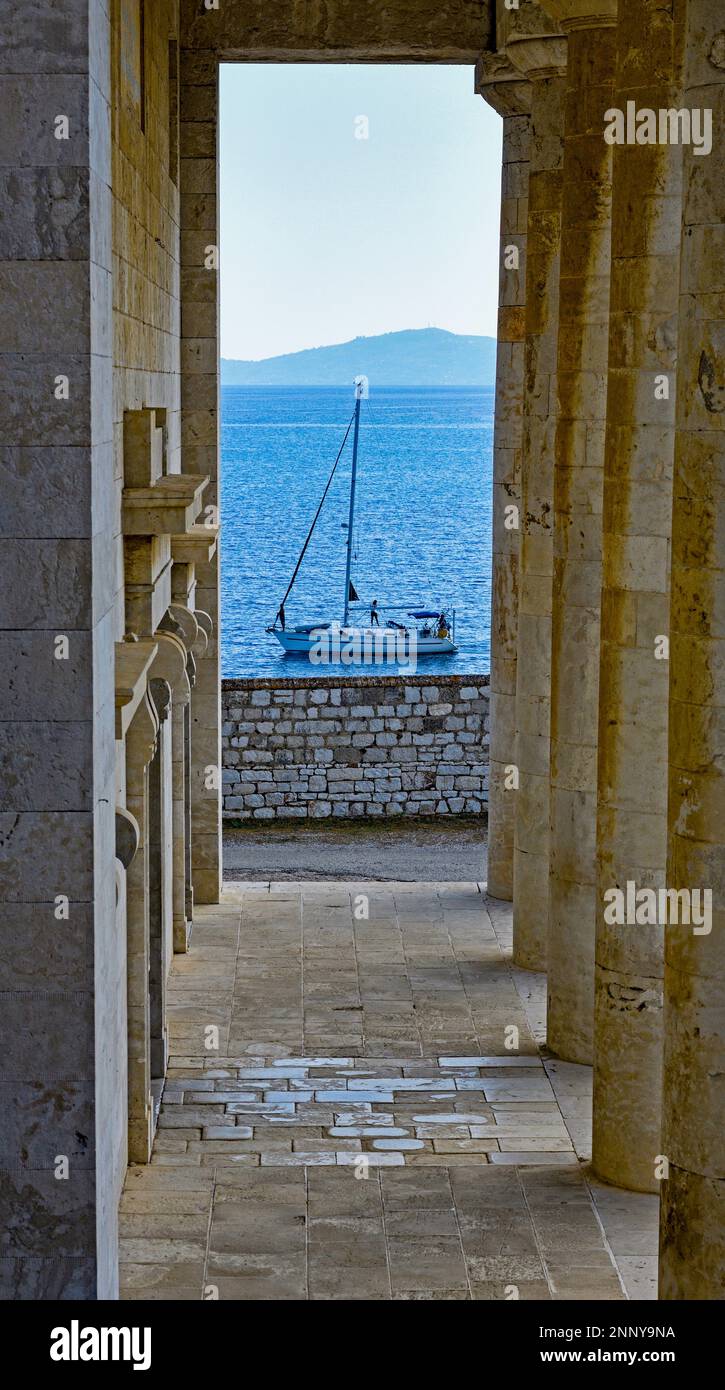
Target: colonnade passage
607	802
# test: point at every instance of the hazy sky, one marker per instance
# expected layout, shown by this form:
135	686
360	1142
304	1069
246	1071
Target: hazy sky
325	236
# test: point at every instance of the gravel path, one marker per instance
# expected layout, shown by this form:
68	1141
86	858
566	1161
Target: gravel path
426	851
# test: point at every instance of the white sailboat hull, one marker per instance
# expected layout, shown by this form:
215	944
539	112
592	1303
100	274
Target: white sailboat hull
362	645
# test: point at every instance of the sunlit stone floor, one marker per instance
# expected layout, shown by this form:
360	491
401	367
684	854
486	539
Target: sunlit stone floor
359	1106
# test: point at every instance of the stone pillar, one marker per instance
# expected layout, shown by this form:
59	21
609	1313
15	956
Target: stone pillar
188	882
62	1059
634	670
160	883
539	52
140	749
509	94
168	673
579	470
199	103
182	852
182	623
692	1244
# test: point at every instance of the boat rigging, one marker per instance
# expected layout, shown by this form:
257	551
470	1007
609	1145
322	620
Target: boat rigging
431	634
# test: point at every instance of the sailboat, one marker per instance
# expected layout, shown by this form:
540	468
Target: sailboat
382	639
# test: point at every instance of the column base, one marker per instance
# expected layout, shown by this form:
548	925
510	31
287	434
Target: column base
626	1140
182	935
692	1237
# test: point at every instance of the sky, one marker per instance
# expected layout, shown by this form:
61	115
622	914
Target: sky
326	236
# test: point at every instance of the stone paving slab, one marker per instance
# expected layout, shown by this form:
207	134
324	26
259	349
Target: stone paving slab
362	1131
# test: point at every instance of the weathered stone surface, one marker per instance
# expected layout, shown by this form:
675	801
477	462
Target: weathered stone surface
691	1233
45	766
633	680
582	357
44	1119
533	664
454	31
40	851
38	38
33	1278
510	94
45	213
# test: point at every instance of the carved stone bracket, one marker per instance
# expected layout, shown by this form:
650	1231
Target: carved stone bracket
170	506
180	621
532	41
206	628
204	621
502	85
133	659
170	665
127	836
195	546
141	737
160	693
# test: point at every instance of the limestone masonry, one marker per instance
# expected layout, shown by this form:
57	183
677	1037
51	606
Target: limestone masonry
357	746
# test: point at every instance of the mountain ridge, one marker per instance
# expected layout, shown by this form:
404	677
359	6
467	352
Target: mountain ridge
408	357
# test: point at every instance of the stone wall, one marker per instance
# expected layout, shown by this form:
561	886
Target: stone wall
355	746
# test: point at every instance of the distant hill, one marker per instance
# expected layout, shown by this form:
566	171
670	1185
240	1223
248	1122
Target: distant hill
414	357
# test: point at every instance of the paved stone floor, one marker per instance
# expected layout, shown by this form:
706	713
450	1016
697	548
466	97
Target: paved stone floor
359	1106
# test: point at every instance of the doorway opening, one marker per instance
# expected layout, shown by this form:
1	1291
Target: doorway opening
359	212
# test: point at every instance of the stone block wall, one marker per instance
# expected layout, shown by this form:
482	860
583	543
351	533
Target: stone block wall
354	746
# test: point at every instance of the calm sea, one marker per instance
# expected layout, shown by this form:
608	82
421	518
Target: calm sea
423	516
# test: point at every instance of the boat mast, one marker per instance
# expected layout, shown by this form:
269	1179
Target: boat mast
359	386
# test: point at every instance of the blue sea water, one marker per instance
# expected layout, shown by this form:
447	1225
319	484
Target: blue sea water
423	515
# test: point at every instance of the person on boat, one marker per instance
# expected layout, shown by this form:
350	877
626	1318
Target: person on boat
442	626
280	616
374	617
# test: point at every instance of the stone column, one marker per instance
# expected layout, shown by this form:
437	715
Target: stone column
634	670
539	52
140	749
199	103
179	721
504	88
182	623
160	883
579	469
169	685
186	810
62	1059
692	1243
